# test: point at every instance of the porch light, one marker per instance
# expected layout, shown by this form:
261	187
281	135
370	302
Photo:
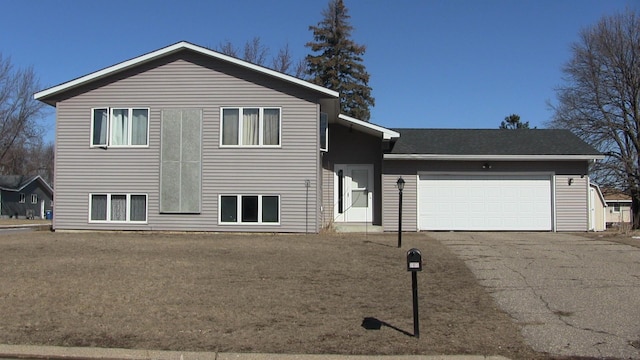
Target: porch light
400	185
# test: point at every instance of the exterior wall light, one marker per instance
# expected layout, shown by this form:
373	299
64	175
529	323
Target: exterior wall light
400	185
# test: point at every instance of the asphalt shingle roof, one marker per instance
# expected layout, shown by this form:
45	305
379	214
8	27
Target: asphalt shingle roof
490	142
14	182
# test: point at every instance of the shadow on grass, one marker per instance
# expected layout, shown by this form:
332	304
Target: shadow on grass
371	323
377	243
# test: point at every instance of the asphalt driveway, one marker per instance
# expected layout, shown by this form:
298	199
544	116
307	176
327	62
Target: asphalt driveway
572	295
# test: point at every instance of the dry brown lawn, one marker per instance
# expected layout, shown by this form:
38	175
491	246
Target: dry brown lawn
244	293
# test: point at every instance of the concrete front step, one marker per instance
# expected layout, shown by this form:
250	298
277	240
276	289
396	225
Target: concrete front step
357	228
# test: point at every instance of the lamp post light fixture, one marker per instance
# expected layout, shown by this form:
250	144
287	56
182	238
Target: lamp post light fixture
400	185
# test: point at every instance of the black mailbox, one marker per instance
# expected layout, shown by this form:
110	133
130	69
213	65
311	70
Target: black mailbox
414	260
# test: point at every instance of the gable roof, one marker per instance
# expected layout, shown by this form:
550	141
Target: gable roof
19	182
46	94
490	144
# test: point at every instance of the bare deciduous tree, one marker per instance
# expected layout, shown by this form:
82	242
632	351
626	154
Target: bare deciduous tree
20	115
255	52
600	100
227	48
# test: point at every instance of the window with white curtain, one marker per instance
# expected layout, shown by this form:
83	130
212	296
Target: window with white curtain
124	127
118	208
250	126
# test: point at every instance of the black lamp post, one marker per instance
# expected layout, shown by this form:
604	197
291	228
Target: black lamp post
400	185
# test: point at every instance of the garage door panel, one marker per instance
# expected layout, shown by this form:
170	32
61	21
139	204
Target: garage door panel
480	202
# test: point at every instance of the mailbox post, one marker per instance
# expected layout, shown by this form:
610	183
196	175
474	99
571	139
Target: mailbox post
414	264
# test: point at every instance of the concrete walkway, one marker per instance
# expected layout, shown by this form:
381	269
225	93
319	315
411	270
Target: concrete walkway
54	352
572	295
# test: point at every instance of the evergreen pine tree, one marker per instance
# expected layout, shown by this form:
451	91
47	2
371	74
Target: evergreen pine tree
338	64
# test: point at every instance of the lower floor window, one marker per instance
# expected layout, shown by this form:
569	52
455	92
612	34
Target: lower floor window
118	208
249	209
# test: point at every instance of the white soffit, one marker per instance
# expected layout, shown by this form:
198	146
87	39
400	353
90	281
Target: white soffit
387	134
491	157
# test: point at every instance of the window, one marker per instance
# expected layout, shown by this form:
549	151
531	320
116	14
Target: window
118	208
120	127
250	127
34	198
249	209
324	132
616	207
22	198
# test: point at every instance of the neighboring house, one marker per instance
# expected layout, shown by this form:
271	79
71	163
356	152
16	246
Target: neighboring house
597	208
185	138
618	208
24	197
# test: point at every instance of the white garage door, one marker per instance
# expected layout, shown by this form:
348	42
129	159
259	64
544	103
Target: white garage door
483	202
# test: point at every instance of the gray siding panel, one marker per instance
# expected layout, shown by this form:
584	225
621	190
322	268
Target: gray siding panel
571	205
189	81
572	210
392	170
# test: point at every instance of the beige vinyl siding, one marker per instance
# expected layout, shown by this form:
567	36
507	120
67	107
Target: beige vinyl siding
392	170
572	210
187	80
571	204
327	196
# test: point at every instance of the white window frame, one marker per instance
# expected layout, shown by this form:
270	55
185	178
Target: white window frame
109	127
260	126
23	198
34	198
239	210
326	132
128	201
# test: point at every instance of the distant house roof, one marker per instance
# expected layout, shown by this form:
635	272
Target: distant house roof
19	182
616	196
491	144
47	94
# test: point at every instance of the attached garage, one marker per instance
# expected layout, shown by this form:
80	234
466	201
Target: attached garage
485	202
487	180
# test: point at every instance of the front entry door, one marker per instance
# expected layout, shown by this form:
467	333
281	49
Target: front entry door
353	193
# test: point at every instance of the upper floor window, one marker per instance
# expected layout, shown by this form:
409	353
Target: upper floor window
324	132
120	127
250	127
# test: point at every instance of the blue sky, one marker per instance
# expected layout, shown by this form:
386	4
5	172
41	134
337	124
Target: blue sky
433	63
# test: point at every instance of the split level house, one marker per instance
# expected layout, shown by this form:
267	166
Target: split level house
187	139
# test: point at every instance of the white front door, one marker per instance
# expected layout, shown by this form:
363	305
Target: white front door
353	193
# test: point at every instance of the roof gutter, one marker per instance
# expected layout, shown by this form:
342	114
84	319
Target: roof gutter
491	157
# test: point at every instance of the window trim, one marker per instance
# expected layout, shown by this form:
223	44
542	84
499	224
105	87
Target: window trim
108	212
109	127
326	132
239	210
260	126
